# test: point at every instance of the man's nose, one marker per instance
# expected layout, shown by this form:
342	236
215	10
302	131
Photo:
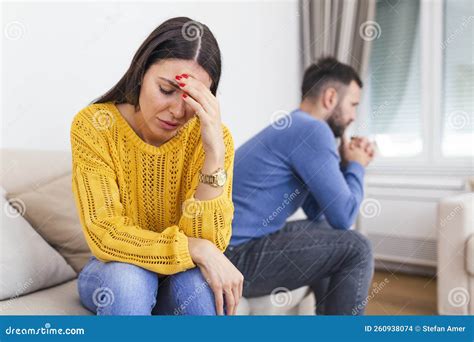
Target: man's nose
353	116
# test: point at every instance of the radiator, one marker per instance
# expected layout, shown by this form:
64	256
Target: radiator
399	216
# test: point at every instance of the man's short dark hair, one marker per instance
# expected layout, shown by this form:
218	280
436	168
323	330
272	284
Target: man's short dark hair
327	70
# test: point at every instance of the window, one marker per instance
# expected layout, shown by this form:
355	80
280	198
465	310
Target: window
458	79
395	107
419	94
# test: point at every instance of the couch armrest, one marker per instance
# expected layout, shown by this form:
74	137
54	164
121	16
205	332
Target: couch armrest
455	227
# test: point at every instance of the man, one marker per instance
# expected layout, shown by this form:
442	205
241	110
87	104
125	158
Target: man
296	164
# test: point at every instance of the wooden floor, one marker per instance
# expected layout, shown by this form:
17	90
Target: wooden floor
401	294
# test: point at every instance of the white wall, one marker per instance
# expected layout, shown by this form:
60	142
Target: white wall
57	57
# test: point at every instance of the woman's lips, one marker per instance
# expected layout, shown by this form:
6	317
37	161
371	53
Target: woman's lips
169	126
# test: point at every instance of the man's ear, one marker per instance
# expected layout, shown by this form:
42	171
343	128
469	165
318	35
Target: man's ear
330	98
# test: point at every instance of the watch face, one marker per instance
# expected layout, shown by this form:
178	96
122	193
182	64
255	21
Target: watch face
221	178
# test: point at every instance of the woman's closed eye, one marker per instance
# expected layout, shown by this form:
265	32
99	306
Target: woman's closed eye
167	91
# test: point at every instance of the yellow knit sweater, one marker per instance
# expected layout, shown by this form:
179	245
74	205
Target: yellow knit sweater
136	201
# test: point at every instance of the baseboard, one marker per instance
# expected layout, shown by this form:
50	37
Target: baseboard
395	267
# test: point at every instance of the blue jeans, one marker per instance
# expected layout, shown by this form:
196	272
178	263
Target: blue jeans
336	264
116	288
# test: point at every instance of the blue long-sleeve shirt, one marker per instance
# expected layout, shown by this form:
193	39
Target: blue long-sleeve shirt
284	168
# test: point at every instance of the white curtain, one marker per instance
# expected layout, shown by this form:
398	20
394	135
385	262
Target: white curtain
340	28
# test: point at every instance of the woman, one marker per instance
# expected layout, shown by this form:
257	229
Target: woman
152	181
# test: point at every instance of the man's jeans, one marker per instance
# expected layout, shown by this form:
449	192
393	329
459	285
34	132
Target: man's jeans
336	264
116	288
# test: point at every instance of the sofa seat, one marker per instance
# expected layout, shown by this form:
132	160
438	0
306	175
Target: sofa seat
63	299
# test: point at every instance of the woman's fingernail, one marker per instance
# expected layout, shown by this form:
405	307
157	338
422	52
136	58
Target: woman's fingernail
185	75
184	95
182	84
178	77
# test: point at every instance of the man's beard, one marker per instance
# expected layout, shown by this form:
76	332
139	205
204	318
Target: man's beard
336	122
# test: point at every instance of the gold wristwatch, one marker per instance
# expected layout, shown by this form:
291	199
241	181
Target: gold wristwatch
216	179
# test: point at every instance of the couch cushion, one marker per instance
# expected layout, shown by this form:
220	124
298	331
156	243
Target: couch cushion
27	262
282	302
22	170
64	300
58	300
51	210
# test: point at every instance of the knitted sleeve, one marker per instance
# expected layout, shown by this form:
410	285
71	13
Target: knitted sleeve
210	219
110	234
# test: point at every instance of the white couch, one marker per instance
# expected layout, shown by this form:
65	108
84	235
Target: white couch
456	255
26	170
